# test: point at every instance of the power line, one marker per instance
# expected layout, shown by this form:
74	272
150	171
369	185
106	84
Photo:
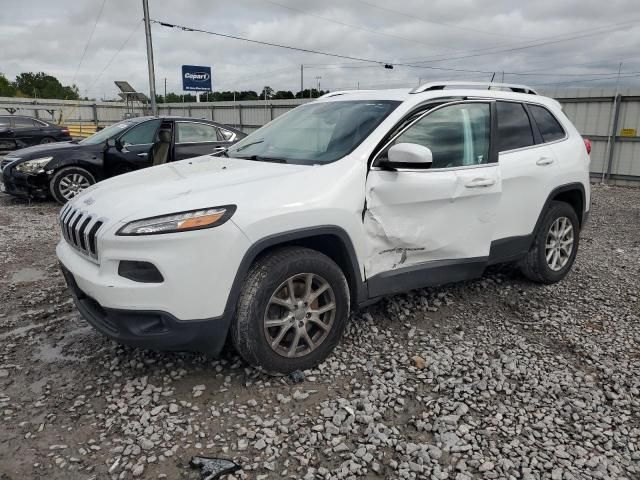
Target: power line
317	52
86	47
442	24
133	31
628	75
349	25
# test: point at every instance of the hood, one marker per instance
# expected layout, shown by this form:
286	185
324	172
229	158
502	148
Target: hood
47	150
179	186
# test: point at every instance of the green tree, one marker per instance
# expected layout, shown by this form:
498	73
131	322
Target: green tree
266	93
44	86
282	94
6	88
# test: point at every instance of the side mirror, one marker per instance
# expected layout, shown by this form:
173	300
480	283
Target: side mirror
113	142
409	155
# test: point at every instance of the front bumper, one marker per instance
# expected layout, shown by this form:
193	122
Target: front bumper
149	329
24	186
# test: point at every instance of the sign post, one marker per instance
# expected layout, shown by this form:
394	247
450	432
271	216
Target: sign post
197	79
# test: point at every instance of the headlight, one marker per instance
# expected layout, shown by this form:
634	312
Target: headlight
33	166
179	222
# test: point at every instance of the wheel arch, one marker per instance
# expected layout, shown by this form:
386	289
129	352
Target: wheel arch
571	193
330	240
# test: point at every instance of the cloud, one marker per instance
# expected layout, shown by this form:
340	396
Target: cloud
50	36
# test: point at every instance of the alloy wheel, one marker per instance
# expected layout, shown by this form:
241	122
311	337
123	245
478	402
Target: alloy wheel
72	184
300	314
559	243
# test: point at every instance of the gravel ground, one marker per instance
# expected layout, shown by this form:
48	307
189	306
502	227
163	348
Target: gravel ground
494	378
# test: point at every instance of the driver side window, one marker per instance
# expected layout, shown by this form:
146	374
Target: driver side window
457	135
142	134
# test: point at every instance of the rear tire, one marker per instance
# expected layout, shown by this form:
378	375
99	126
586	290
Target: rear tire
555	245
292	311
46	140
69	182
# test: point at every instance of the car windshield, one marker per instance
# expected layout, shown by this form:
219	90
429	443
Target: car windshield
106	133
315	133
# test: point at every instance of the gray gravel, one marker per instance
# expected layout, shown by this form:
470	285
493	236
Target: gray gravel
494	378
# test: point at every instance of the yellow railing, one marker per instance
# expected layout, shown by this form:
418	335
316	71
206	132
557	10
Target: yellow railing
82	130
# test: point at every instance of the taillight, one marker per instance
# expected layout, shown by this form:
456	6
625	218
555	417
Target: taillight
587	144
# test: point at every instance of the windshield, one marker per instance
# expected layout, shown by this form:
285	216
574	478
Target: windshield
106	133
315	133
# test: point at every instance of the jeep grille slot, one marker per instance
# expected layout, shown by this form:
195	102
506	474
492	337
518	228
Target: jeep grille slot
79	229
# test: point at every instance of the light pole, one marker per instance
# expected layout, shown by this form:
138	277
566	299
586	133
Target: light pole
152	75
318	77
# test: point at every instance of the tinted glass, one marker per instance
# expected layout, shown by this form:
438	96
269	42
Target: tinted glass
196	132
457	135
142	134
549	127
514	128
23	122
315	133
106	133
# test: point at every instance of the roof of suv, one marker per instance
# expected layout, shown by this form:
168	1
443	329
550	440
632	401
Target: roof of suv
444	89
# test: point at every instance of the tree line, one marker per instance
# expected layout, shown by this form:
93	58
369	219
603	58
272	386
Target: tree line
42	85
37	85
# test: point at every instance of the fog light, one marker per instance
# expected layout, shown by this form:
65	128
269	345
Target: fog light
143	272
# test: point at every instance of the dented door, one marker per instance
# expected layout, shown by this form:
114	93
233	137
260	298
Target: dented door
444	213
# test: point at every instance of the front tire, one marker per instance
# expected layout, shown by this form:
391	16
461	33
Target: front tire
555	245
292	311
69	182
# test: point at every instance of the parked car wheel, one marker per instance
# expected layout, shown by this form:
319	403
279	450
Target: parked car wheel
46	140
292	311
555	245
69	182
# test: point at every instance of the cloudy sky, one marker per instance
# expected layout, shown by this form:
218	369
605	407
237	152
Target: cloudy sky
554	43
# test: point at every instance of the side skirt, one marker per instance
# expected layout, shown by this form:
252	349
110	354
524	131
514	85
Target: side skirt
509	249
437	272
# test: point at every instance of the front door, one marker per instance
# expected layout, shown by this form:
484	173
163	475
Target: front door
133	150
435	225
193	139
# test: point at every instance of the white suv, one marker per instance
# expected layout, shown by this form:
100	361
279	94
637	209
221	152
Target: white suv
338	202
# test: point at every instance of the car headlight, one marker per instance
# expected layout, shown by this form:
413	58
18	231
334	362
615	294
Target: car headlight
179	222
33	166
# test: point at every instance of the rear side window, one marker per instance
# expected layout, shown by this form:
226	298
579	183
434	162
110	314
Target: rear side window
549	127
23	122
514	128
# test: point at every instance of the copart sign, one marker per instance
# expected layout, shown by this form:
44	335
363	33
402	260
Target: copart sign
196	78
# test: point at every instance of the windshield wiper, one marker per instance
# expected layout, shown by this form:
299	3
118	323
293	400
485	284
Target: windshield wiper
258	158
249	144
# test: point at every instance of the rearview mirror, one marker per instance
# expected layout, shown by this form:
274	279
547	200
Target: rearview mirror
409	155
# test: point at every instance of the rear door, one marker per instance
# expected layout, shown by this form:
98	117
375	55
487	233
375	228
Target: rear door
193	138
435	225
528	169
7	139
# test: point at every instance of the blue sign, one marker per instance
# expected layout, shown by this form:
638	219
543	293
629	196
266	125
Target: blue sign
196	79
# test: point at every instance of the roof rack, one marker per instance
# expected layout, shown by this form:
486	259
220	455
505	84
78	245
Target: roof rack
475	85
342	92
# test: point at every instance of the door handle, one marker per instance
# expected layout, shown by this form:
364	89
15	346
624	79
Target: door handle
544	161
142	154
219	149
480	182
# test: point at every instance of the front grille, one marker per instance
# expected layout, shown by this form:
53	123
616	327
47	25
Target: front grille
79	229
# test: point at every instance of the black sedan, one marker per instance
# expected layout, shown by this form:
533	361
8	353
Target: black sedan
63	170
17	131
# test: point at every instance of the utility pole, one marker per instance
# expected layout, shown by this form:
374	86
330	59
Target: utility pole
165	90
318	79
301	78
152	75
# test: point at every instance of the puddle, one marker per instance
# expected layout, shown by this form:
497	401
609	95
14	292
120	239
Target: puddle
27	274
48	353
